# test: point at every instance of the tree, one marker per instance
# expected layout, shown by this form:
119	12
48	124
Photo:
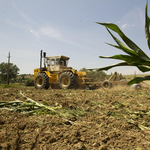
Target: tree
22	76
135	56
96	75
13	71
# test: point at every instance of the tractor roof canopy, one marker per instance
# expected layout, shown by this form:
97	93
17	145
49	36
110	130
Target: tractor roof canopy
60	57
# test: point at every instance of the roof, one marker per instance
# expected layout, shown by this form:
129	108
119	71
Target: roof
61	56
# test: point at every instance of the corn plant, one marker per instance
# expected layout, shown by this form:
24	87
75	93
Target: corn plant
135	56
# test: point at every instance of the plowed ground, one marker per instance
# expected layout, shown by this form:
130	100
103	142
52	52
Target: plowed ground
92	120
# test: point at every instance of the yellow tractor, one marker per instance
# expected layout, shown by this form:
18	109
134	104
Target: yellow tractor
55	73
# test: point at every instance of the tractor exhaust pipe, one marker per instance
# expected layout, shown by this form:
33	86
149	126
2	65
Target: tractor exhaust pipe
41	61
44	53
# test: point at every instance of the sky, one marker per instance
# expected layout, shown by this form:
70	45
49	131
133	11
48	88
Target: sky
67	27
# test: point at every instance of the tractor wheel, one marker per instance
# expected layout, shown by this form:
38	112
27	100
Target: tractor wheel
123	82
67	80
41	81
107	84
136	86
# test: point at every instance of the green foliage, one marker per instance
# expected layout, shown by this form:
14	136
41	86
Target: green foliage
135	56
96	75
29	82
8	86
22	76
13	71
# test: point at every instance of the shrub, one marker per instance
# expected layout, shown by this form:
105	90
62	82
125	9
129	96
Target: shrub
29	82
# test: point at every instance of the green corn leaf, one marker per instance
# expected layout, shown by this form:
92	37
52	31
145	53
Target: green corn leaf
131	44
111	66
123	47
127	58
143	68
147	23
126	50
135	56
138	80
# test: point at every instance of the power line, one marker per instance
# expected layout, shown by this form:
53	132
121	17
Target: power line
20	58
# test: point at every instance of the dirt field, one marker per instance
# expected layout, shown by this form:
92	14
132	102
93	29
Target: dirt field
116	119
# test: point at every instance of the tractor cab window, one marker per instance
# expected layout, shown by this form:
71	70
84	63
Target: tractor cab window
63	62
57	61
52	62
66	62
48	62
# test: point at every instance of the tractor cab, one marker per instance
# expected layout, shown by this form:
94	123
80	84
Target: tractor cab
57	64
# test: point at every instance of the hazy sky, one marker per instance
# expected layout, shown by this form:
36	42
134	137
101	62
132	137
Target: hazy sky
67	27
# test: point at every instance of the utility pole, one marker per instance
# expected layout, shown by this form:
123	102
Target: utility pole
8	69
